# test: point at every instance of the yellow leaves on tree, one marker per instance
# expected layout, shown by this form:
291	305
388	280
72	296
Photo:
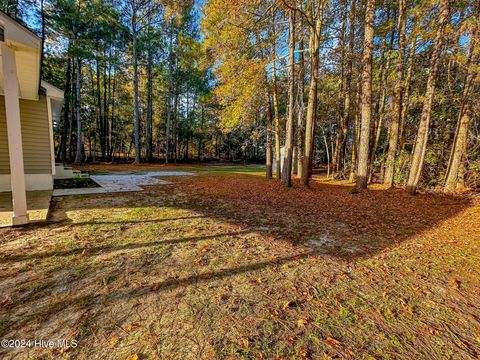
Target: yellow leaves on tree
175	10
238	91
230	41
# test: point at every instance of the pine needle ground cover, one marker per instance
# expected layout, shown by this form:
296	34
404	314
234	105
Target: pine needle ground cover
228	265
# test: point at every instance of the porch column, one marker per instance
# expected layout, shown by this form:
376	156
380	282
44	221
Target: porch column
14	131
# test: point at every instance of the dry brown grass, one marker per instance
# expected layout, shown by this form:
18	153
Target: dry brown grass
222	266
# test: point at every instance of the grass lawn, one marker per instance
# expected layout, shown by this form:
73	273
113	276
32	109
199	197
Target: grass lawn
228	265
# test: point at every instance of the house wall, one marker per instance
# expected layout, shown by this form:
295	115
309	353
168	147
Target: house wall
36	145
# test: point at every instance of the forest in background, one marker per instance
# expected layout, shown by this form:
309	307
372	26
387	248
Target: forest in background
379	91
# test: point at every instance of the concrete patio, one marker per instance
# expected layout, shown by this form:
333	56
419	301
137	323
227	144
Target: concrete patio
122	182
38	203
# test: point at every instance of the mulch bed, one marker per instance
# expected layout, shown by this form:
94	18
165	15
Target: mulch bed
75	183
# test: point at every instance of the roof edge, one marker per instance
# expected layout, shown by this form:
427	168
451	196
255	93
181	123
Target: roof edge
19	24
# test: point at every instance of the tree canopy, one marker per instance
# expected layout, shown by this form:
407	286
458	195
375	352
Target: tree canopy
151	80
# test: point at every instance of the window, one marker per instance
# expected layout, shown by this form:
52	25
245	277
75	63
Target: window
2	34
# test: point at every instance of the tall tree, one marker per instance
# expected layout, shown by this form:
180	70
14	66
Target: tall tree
135	7
342	123
350	94
366	111
407	87
149	117
459	147
300	106
419	149
290	127
397	98
276	107
314	18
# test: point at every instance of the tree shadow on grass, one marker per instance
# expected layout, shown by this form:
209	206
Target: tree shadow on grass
328	215
103	249
49	309
346	226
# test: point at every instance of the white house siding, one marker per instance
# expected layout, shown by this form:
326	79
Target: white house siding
36	145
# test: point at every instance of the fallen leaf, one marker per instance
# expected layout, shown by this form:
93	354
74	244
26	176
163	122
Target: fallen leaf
114	341
131	327
332	341
7	301
301	323
457	283
290	304
273	312
154	287
133	357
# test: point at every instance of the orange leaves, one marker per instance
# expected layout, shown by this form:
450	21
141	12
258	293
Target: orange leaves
155	286
301	323
7	301
131	327
114	340
274	313
332	341
456	283
201	262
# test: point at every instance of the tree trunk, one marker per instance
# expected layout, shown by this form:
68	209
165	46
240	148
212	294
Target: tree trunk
377	129
338	159
66	113
98	96
149	119
73	112
78	86
105	103
290	126
406	97
169	94
327	151
112	115
92	145
397	97
314	49
269	118
459	147
175	132
278	172
351	97
355	138
301	109
419	149
269	152
363	148
109	104
136	107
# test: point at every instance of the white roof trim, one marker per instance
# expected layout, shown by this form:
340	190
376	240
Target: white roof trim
16	29
52	91
28	48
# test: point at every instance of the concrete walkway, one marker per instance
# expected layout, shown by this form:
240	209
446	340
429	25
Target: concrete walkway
122	183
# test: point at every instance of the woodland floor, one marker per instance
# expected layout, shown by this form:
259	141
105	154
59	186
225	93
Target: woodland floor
228	265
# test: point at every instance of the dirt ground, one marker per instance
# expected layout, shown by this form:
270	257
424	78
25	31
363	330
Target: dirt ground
229	265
